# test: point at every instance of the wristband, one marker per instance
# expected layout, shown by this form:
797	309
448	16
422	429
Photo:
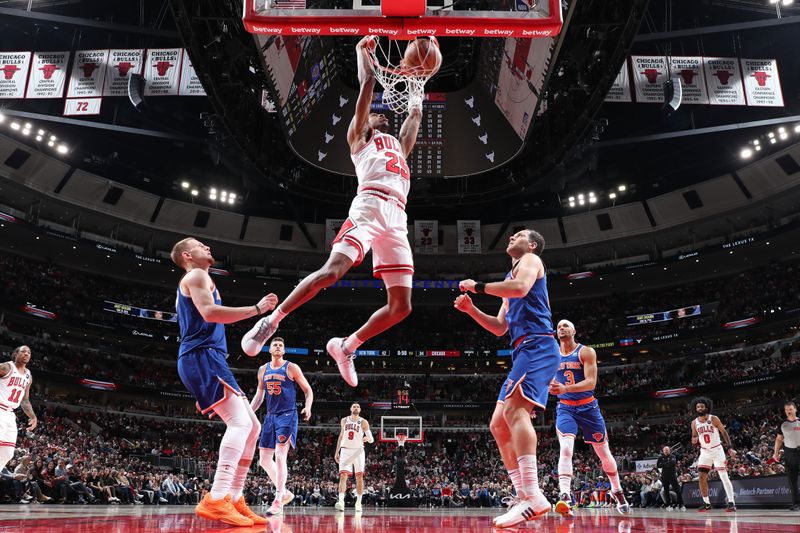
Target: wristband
258	311
480	288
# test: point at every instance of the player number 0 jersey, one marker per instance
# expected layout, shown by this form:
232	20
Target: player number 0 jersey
380	164
353	433
708	433
12	388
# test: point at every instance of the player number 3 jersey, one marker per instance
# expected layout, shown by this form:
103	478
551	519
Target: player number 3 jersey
353	433
707	433
12	388
381	165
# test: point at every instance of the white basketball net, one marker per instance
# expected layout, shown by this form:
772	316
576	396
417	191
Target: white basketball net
403	88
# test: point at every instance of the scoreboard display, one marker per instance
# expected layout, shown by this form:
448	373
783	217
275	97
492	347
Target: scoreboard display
402	398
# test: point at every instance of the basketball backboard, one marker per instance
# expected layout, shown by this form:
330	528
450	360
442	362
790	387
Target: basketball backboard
409	426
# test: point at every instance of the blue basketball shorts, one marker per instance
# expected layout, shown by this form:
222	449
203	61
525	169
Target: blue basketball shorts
534	363
587	417
279	428
205	373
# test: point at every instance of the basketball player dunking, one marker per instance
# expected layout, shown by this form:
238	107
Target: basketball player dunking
203	369
278	379
377	220
525	314
15	386
706	431
574	385
350	453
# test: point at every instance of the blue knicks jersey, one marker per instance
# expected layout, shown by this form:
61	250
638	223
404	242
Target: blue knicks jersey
280	389
570	371
195	331
529	315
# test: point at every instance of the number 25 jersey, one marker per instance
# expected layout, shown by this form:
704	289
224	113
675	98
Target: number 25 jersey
381	165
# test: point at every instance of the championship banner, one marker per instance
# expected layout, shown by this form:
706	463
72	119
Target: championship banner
762	84
48	75
649	75
332	228
690	72
469	236
426	236
724	81
88	73
121	64
162	72
190	82
621	89
14	66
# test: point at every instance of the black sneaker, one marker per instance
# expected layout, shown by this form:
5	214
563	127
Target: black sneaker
794	507
730	508
704	508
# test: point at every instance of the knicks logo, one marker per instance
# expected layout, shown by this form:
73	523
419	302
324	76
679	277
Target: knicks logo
509	384
597	436
281	438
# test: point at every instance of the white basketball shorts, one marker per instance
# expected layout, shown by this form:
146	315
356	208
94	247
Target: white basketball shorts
8	429
351	460
377	221
712	458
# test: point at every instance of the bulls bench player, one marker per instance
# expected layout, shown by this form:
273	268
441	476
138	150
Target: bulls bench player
15	385
377	220
706	431
350	453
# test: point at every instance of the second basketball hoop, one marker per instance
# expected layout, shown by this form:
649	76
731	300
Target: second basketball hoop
403	68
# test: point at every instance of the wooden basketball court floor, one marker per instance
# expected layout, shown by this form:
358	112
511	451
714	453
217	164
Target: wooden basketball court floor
74	519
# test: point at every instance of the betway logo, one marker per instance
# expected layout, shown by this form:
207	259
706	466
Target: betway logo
421	32
382	31
267	29
305	30
458	31
352	31
505	33
536	33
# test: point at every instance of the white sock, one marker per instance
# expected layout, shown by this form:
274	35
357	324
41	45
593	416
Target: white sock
726	482
277	315
268	464
530	475
341	496
358	498
567	445
239	477
235	412
706	500
352	343
516	480
282	470
609	465
226	468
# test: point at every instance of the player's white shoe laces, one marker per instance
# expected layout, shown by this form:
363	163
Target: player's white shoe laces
254	340
343	360
527	508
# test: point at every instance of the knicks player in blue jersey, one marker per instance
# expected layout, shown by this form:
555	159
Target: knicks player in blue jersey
525	315
203	369
574	384
278	380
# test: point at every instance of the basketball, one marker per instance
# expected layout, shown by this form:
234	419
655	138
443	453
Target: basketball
422	57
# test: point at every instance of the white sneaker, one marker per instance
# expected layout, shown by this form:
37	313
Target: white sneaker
254	340
288	496
339	506
359	507
343	360
528	508
276	508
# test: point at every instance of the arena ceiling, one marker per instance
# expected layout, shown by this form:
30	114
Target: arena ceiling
583	145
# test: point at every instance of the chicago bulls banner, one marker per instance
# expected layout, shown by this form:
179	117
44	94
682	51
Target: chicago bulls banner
88	74
190	82
649	75
82	106
724	81
621	89
762	84
690	71
469	236
426	236
332	228
48	75
13	73
162	72
121	64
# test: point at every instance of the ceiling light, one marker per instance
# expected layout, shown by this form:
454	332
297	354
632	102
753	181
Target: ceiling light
612	195
746	153
53	138
773	1
571	198
230	201
224	194
621	188
27	125
2	118
592	200
232	196
62	149
580	197
15	126
770	135
784	136
758	148
40	132
581	202
38	137
26	132
756	142
781	129
51	143
184	184
572	204
195	192
212	197
213	190
796	128
773	140
788	2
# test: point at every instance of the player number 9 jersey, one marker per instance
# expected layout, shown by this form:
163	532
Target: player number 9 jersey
353	433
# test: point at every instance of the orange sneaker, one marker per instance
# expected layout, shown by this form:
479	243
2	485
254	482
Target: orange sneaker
242	508
221	510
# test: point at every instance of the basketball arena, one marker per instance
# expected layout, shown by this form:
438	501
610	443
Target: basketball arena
399	266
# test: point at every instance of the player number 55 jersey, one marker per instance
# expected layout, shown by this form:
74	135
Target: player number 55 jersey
380	164
353	433
12	388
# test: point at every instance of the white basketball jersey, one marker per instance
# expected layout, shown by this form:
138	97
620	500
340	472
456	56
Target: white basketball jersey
708	433
380	165
12	388
353	434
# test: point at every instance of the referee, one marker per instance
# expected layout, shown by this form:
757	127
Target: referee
669	478
790	439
